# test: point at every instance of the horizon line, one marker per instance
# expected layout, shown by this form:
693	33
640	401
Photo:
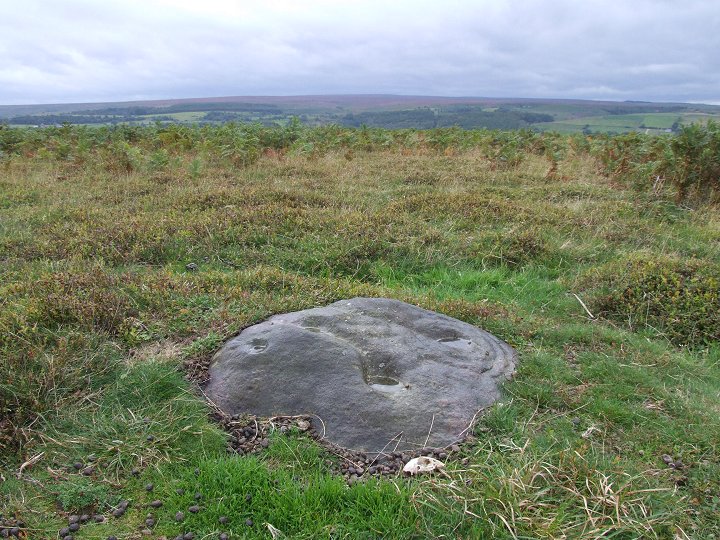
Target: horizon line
210	99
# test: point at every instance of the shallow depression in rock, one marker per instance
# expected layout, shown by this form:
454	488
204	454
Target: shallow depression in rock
258	345
387	385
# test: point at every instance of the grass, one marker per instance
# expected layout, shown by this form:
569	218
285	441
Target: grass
623	123
178	116
101	317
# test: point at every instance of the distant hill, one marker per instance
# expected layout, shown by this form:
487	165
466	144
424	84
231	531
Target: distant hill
388	111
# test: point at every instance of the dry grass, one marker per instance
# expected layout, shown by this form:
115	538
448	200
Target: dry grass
120	267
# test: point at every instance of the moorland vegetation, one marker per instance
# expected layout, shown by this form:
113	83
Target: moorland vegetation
129	254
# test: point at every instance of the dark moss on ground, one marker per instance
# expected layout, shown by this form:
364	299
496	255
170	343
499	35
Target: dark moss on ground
676	298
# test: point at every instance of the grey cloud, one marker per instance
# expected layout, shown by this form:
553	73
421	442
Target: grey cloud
85	50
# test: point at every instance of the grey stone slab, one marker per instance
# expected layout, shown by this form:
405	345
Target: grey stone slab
378	372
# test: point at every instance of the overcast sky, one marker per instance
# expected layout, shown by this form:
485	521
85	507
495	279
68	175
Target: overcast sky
111	50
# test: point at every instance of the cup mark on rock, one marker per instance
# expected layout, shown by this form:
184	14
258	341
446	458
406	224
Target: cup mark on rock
258	345
387	385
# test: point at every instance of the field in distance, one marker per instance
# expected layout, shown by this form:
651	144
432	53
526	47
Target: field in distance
385	111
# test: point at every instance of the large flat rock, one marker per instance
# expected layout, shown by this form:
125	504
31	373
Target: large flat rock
379	373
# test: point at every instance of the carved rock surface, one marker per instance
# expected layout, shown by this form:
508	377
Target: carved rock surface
381	374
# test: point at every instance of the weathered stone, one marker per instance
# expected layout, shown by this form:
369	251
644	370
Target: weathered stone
381	374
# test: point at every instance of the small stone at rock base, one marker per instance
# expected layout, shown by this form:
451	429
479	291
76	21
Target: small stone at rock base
156	504
150	522
73	519
87	471
121	508
149	487
179	516
84	518
78	465
194	509
74	527
135	471
455	448
15	531
99	518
